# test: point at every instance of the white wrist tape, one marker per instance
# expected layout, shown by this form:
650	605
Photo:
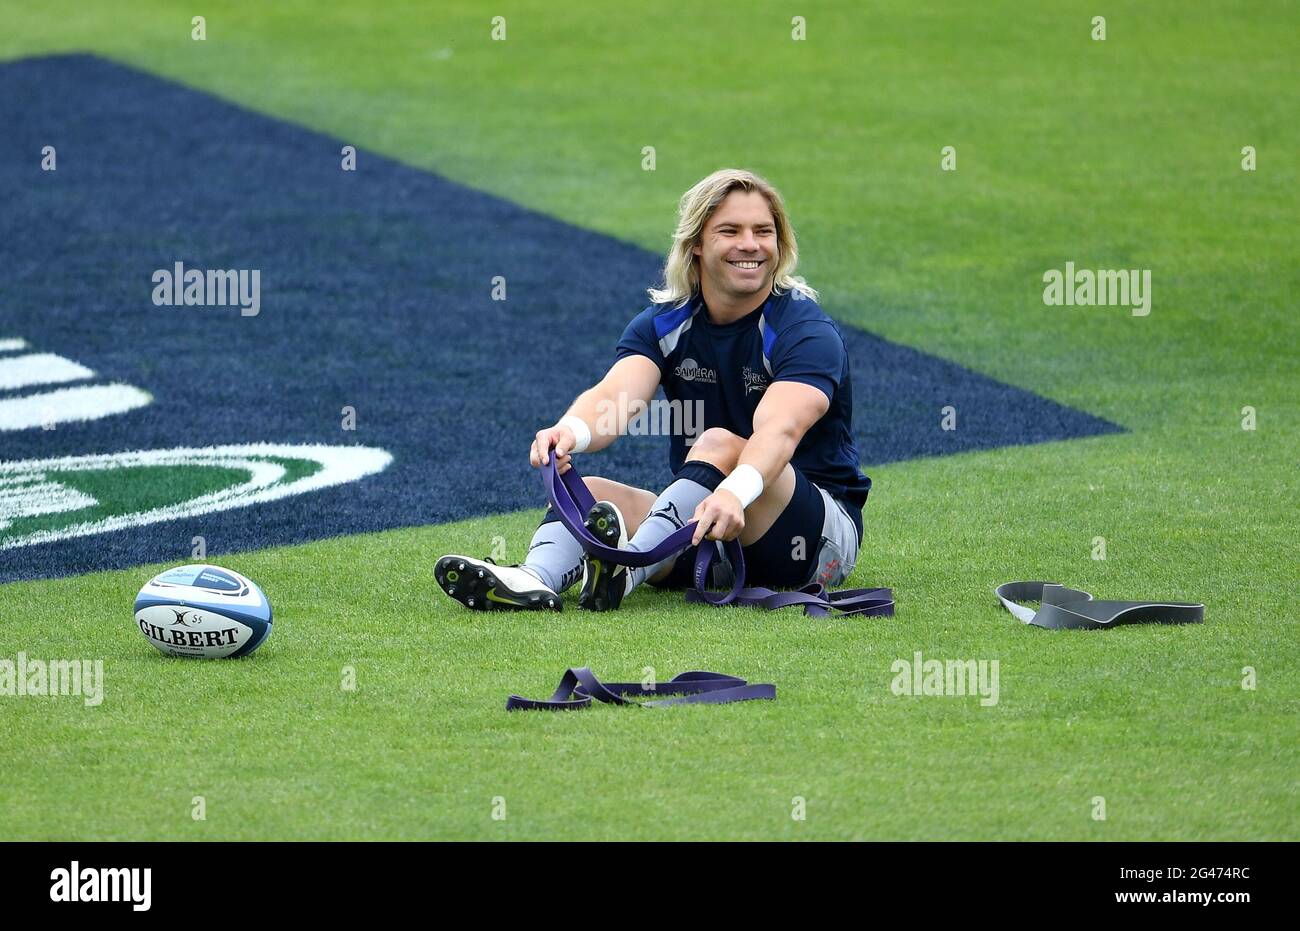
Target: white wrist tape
581	432
745	482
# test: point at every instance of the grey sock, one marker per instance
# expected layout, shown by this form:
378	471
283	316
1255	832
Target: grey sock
672	510
554	556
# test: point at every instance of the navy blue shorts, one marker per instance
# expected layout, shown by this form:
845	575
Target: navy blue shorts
814	539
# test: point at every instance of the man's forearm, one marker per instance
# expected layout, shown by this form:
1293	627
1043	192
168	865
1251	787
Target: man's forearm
589	407
768	450
761	462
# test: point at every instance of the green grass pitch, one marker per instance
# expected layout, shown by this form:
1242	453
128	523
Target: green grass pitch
1124	153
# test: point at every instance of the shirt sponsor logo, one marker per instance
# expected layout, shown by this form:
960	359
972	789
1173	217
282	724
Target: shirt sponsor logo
690	370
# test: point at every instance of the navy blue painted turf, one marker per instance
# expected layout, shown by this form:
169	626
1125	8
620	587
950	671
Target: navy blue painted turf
375	294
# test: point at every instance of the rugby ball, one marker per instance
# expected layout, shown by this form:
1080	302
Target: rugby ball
203	611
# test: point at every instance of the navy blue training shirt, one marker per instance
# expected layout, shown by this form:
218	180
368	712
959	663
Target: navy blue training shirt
728	367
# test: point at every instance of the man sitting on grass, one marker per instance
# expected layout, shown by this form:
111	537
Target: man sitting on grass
733	331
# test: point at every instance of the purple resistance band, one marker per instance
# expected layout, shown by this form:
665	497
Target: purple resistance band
580	687
571	500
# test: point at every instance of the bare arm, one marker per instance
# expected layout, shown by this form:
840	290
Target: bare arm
604	408
787	411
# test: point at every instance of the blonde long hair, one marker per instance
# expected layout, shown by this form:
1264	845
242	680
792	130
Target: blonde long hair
682	270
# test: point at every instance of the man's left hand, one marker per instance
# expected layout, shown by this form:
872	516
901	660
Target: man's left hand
720	517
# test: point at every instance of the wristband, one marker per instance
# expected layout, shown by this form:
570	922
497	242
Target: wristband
581	432
745	482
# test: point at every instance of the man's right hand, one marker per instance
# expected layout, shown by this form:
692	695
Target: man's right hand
561	438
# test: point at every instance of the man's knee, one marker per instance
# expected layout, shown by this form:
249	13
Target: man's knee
719	447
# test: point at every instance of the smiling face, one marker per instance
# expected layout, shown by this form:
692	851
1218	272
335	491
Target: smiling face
737	249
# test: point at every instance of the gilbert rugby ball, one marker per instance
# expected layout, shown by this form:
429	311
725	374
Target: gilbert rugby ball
203	611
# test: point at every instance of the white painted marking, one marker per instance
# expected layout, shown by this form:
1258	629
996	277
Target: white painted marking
32	495
69	404
39	368
12	345
340	464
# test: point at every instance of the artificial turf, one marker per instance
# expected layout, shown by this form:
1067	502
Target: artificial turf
1115	154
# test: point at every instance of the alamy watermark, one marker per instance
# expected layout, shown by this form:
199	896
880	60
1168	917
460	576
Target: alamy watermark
659	417
1124	287
37	678
947	677
79	883
179	286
